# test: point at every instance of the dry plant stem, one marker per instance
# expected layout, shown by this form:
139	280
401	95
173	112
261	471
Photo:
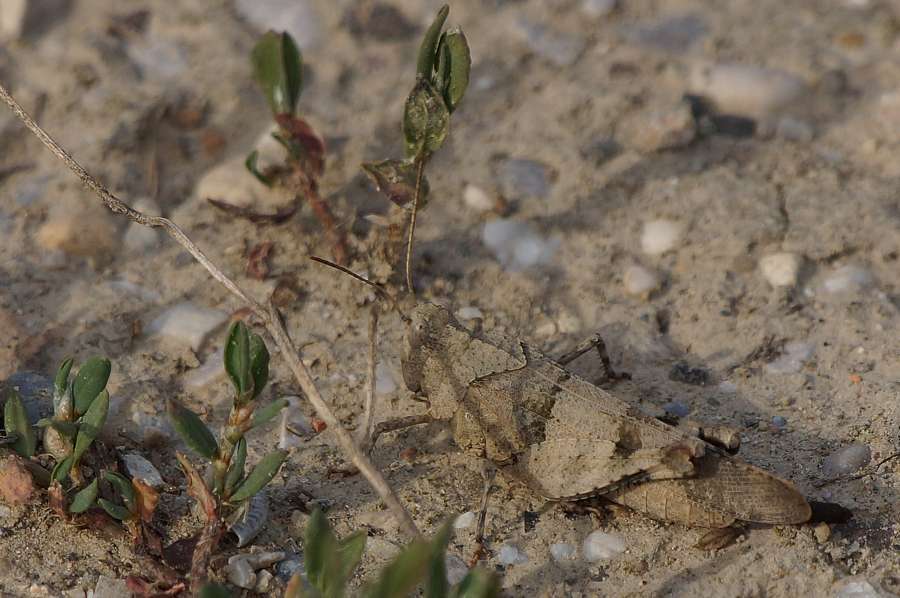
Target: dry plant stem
323	213
368	420
269	315
420	169
212	530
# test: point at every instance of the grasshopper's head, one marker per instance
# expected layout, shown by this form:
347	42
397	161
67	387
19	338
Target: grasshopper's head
426	332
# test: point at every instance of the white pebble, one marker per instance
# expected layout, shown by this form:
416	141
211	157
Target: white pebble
660	236
456	569
792	359
465	520
469	313
600	546
292	418
140	468
780	269
510	554
727	386
516	246
240	573
562	551
857	588
846	460
744	90
849	278
598	8
261	560
187	323
658	128
231	184
384	380
269	152
12	18
640	281
477	198
263	582
211	370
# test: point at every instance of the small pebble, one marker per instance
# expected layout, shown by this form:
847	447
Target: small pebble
516	246
465	520
231	184
13	14
557	47
745	90
727	386
857	588
562	551
469	313
510	554
187	323
659	128
240	572
290	566
795	354
63	231
16	483
822	532
849	278
793	129
671	34
520	177
263	582
598	8
660	236
779	422
601	546
780	269
677	408
293	418
384	380
107	587
846	460
456	569
139	467
640	281
297	17
477	198
211	370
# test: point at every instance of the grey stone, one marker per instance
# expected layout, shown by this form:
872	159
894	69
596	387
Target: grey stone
846	460
520	177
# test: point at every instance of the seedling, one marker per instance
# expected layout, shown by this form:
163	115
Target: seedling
330	564
278	69
225	493
442	76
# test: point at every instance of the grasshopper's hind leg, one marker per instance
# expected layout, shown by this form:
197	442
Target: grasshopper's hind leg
394	425
595	342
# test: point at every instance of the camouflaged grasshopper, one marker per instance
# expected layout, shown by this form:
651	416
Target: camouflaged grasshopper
568	439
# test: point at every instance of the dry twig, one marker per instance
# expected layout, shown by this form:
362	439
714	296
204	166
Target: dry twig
268	314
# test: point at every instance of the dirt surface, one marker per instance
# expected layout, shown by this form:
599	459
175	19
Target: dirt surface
150	101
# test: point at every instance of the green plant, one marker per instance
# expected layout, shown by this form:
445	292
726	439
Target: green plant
442	76
278	70
226	491
330	563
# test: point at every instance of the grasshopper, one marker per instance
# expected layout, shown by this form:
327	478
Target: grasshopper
568	439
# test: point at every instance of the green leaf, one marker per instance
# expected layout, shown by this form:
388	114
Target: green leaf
90	381
278	69
61	382
237	360
350	551
192	429
396	179
264	414
411	567
124	487
90	425
428	49
478	583
460	62
61	470
261	475
437	586
259	363
214	590
15	421
250	164
426	120
320	554
115	511
236	469
84	498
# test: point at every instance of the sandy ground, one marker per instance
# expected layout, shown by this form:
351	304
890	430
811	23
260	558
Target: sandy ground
101	83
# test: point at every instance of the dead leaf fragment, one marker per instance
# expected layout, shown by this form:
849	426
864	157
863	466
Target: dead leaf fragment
257	260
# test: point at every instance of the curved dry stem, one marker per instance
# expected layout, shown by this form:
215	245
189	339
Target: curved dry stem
269	315
420	170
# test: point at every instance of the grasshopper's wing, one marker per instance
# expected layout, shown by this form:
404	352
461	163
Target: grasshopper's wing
572	468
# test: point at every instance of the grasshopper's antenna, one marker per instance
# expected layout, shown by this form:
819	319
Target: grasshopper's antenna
378	288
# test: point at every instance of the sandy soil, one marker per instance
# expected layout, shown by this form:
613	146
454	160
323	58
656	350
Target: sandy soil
103	85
